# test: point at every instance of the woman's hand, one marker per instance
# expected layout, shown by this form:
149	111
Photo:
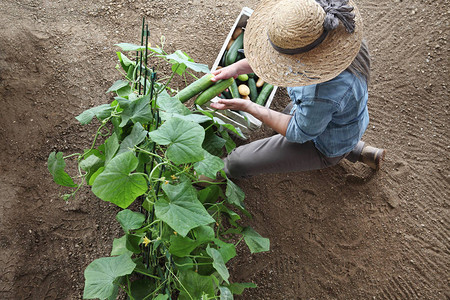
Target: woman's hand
233	70
233	104
225	73
276	120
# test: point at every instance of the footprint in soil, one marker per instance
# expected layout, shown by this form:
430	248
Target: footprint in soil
361	175
401	168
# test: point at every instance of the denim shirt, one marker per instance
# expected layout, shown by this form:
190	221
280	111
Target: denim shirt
332	114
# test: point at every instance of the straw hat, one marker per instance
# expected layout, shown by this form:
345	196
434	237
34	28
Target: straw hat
277	27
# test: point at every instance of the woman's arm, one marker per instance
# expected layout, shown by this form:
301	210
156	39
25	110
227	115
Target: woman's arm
276	120
233	70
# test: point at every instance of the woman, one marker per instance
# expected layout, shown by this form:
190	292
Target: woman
315	48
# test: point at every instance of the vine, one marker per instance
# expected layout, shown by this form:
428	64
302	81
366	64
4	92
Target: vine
154	150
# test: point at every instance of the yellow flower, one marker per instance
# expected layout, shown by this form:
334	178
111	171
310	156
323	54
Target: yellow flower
173	177
166	182
146	241
175	232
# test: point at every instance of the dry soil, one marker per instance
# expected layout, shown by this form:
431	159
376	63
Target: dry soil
342	233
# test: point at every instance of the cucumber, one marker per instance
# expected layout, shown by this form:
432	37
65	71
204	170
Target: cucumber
194	88
234	90
222	60
233	51
264	94
213	91
240	56
243	77
227	94
253	90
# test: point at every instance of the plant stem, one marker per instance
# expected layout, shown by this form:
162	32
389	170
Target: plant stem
170	79
240	240
70	155
174	276
143	229
129	287
146	274
147	152
139	173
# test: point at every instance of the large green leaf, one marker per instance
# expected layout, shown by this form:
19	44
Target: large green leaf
56	165
231	128
137	110
94	176
129	219
234	194
196	285
182	246
213	143
238	288
137	136
101	112
118	85
120	247
130	47
101	274
218	263
91	164
184	139
255	242
209	166
227	250
210	194
229	143
171	104
117	184
125	61
111	147
133	242
183	211
233	217
204	233
181	61
196	118
225	293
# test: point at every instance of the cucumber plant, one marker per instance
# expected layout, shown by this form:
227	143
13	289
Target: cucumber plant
152	152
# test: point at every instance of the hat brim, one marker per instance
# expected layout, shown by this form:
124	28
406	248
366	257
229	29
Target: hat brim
320	64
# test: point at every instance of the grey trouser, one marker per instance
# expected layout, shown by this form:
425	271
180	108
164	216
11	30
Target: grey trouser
276	154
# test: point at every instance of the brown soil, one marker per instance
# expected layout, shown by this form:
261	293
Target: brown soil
341	233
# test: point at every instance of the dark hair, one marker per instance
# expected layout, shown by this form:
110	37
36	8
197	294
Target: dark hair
360	66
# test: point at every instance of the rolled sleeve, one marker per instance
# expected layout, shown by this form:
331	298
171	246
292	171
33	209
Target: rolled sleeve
310	119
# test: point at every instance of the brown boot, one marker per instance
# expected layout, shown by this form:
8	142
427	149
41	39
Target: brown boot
373	157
